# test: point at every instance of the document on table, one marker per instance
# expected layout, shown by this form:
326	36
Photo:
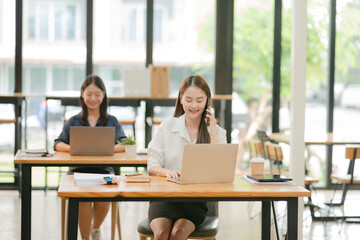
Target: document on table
90	178
267	183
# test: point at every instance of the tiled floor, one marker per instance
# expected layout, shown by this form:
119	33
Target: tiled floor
237	220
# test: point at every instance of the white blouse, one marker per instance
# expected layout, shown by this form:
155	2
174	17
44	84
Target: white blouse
166	148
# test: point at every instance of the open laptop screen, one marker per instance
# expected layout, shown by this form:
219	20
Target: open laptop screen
92	141
208	163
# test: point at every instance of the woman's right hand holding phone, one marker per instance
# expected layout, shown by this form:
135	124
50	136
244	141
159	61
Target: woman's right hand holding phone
211	125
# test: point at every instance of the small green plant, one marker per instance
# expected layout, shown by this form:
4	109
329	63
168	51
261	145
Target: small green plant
129	140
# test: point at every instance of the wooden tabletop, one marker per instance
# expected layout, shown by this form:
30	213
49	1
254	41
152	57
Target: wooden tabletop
329	139
160	187
65	158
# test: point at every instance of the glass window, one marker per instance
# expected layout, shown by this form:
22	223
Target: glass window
184	37
71	18
11	79
54	20
157	25
79	77
121	45
43	21
7	45
60	79
316	86
316	81
32	20
347	81
37	81
54	56
7	50
252	68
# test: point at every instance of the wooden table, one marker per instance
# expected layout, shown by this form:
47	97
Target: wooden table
329	139
151	102
161	190
17	100
62	159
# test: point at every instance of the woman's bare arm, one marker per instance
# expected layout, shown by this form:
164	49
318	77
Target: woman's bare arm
119	148
62	147
159	171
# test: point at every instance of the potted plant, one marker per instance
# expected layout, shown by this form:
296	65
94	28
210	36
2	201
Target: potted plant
130	145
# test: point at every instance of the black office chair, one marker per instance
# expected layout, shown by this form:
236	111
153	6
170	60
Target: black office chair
207	230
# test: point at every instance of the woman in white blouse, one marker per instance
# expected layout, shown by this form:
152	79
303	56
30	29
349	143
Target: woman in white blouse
193	122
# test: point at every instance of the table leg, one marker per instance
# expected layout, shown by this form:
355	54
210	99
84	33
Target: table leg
26	202
292	220
73	216
46	123
149	114
18	110
265	220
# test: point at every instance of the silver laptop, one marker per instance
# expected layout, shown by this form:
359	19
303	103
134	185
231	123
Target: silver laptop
208	163
92	141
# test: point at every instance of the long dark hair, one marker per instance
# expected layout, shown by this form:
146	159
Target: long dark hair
93	79
200	82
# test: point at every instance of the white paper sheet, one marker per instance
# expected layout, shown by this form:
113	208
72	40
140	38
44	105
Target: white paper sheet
90	178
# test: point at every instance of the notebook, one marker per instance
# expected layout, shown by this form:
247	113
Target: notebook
269	178
208	163
92	141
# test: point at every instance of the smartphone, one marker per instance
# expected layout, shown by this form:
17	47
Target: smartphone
205	112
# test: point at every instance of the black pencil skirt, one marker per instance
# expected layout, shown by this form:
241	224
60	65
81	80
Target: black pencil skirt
100	170
193	211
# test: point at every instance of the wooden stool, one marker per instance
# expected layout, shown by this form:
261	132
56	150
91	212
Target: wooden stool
115	219
129	122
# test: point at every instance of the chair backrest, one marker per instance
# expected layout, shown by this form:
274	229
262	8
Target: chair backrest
259	148
255	148
213	209
274	151
262	136
251	148
352	152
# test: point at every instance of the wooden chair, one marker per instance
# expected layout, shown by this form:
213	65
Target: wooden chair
309	181
15	171
257	150
251	144
115	219
352	152
129	122
275	155
207	230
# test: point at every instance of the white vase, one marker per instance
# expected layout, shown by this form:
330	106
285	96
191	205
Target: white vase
130	150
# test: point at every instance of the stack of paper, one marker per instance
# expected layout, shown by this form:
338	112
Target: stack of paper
90	178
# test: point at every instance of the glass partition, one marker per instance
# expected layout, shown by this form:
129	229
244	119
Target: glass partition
7	79
252	69
119	40
184	39
347	81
